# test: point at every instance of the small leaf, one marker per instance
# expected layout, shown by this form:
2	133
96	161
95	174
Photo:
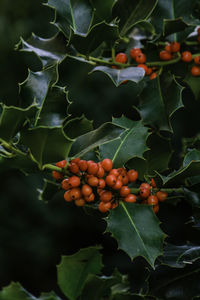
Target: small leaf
103	8
50	51
131	11
72	14
15	291
76	127
134	235
47	145
95	138
132	143
172	26
118	76
12	120
193	83
49	296
74	270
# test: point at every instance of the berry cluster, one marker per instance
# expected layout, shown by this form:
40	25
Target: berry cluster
87	181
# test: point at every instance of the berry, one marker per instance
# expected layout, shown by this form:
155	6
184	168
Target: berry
156	208
153	76
86	190
121	58
197	60
106	196
186	56
100	172
107	164
110	180
149	71
57	175
132	175
93	181
104	207
125	191
75	193
165	55
131	198
83	165
74	181
61	164
101	183
92	168
73	167
125	179
161	196
117	185
89	198
145	185
152	200
134	52
67	196
65	184
143	66
114	172
140	58
114	205
195	71
144	192
153	184
175	47
75	160
168	48
79	202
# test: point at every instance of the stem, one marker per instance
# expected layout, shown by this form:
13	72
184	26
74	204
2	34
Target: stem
166	190
191	43
113	54
164	63
11	148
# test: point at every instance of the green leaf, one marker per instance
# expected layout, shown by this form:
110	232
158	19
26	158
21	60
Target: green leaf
159	101
15	291
53	111
49	189
49	51
49	296
180	256
137	231
118	76
74	270
12	120
193	83
98	287
172	26
98	34
95	138
132	11
35	88
132	143
23	163
103	8
47	145
77	126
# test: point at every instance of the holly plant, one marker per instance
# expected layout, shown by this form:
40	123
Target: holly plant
110	119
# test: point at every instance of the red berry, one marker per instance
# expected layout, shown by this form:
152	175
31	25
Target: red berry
67	196
86	190
104	207
101	183
145	185
153	76
121	58
175	47
186	56
152	200
195	71
132	175
57	175
79	202
100	172
83	165
89	198
117	185
74	181
161	196
106	196
197	60
131	198
134	52
75	193
144	67
149	71
125	191
140	58
65	184
144	192
73	167
61	164
156	208
107	164
153	184
168	48
93	181
165	55
92	168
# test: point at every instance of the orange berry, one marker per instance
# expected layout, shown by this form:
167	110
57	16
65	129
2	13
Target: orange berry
186	56
75	160
161	195
165	55
117	185
131	198
145	185
143	66
153	184
114	205
107	164
74	181
197	60
75	193
106	196
132	175
156	208
195	71
61	164
168	48
121	58
125	179
175	47
153	76
134	52
73	167
110	180
140	58
93	181
83	165
92	168
104	207
67	196
86	190
144	192
57	175
149	71
124	191
100	172
89	198
152	200
114	172
101	183
65	184
79	202
114	67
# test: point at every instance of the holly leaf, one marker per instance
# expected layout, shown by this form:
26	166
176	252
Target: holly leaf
76	127
15	291
193	83
119	75
35	88
12	120
134	236
103	9
49	189
72	15
49	51
47	145
173	26
131	11
74	271
132	143
89	141
159	101
49	296
179	256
